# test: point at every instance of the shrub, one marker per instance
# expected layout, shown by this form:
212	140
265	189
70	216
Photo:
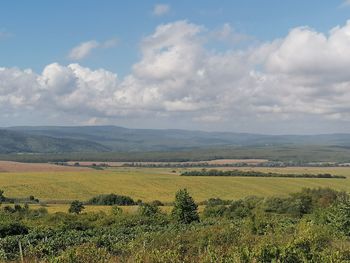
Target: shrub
339	215
148	210
86	253
214	211
111	199
157	203
12	229
185	209
216	201
76	207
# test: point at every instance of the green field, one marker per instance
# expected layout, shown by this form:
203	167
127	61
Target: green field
150	184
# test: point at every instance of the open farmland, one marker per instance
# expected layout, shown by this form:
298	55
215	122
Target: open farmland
8	166
159	183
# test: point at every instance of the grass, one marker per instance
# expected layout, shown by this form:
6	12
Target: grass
160	183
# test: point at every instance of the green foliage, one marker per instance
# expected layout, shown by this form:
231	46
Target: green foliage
216	201
12	229
111	199
76	207
185	209
157	203
242	231
214	211
339	214
86	253
215	172
301	203
148	210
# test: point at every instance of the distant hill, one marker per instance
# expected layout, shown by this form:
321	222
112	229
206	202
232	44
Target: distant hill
19	142
55	139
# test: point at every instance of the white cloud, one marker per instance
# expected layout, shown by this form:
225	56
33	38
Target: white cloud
228	34
84	49
293	80
161	9
346	3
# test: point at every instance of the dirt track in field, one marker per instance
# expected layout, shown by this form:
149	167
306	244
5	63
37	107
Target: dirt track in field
16	167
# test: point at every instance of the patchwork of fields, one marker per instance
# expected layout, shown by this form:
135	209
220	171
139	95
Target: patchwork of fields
161	184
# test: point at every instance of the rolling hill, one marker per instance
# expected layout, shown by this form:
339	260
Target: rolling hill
18	142
56	139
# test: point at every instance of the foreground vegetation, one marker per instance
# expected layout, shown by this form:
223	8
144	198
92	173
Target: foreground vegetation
308	226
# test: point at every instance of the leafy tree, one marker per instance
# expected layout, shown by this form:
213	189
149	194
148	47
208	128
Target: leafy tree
185	209
76	207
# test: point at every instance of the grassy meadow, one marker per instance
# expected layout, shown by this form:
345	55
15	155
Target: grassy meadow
161	184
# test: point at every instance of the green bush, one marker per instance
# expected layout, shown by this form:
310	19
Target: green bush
111	199
12	229
86	253
148	210
76	207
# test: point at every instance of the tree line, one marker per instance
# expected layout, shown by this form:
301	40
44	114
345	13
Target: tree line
215	172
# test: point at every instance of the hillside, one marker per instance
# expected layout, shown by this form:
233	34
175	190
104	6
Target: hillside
54	139
18	142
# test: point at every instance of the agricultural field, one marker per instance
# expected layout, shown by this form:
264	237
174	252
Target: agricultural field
8	166
129	210
148	184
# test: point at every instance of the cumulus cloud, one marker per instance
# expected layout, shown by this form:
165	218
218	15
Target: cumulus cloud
161	9
84	49
299	77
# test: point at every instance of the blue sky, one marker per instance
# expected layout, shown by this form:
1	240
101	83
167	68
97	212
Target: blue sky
247	66
42	31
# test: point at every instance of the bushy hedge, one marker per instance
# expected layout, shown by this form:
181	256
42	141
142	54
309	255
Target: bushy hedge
111	199
215	172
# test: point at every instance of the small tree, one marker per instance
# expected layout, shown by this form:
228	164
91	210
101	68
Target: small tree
185	209
76	207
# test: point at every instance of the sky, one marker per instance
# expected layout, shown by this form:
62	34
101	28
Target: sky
275	67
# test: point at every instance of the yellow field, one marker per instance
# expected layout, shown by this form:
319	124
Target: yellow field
154	183
55	208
